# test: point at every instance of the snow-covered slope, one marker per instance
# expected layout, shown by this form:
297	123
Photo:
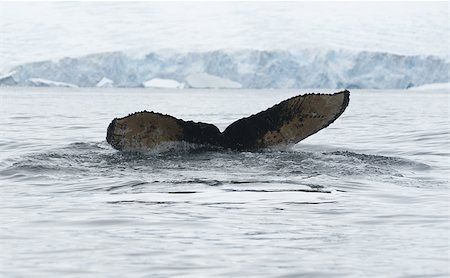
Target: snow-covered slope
246	68
55	29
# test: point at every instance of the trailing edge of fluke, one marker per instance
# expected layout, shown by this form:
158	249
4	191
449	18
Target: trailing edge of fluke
285	123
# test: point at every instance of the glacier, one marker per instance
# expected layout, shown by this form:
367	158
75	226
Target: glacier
208	81
245	68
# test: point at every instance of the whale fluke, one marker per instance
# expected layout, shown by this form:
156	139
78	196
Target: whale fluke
288	122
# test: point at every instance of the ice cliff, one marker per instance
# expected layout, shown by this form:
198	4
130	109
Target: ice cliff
236	69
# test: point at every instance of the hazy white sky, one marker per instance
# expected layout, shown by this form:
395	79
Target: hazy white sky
36	31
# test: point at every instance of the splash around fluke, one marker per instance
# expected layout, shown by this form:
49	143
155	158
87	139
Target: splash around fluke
285	123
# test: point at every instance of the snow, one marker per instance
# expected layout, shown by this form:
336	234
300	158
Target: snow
105	83
163	83
39	82
208	81
52	30
289	45
246	68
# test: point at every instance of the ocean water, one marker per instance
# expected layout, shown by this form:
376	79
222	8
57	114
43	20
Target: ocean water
365	197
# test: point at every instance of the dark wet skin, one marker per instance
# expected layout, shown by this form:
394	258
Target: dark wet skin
288	122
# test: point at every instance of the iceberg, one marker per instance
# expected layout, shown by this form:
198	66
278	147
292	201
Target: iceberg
39	82
163	84
8	79
208	81
105	83
247	68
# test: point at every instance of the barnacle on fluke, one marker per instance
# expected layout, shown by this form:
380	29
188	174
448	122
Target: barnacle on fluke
288	122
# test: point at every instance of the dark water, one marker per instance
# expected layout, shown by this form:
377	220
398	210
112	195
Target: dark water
367	196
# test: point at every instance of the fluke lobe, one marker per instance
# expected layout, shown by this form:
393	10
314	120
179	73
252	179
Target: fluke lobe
288	122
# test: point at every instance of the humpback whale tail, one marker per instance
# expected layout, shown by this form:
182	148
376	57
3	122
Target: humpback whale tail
288	122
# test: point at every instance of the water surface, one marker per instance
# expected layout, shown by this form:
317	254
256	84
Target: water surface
365	197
